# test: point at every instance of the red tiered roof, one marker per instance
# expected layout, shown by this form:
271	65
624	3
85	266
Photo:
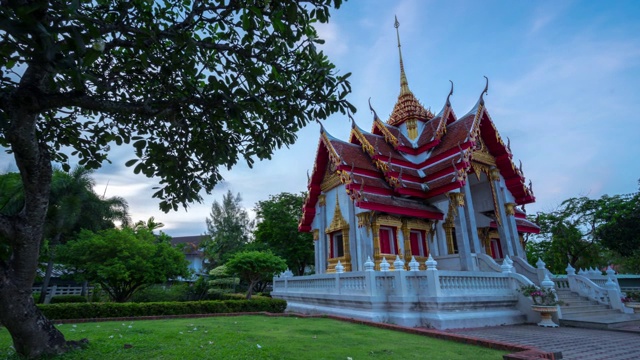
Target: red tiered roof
380	172
386	171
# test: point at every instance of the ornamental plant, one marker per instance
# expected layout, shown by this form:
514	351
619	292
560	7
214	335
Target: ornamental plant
632	296
543	297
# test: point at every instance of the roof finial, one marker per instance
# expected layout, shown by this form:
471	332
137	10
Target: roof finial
404	84
375	115
353	122
450	93
485	91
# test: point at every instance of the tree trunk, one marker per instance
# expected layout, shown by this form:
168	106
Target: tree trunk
252	284
33	335
47	275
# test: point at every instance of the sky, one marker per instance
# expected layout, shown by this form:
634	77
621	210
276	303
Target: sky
564	87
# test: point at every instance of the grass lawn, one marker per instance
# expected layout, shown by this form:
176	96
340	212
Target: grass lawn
253	337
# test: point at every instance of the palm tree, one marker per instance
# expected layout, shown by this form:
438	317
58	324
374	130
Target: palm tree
73	205
150	225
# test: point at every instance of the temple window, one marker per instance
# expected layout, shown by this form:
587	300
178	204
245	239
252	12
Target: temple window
336	245
418	243
388	240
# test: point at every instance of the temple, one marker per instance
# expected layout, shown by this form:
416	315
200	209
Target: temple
415	185
418	221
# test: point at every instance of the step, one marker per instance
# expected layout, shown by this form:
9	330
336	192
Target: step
611	322
578	302
589	313
585	308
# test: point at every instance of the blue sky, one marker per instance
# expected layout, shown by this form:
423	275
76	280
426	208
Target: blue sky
564	86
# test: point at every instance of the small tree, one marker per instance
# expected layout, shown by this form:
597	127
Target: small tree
220	282
123	261
255	266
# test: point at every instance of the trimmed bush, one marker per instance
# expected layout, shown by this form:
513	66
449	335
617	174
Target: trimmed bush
68	299
162	293
108	310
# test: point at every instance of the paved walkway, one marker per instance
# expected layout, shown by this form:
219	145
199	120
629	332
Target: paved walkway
574	343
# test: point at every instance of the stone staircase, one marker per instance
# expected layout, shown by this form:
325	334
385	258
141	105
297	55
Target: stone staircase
578	311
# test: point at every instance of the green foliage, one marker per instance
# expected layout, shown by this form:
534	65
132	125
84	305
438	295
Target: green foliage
191	85
162	293
633	295
620	231
123	261
228	227
277	230
107	310
220	282
68	299
567	236
588	233
630	264
255	266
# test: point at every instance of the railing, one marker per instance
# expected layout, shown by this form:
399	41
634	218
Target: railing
524	268
561	283
62	290
586	287
487	264
403	283
464	284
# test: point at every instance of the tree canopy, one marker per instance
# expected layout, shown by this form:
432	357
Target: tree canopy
255	266
277	230
587	233
229	228
192	85
123	261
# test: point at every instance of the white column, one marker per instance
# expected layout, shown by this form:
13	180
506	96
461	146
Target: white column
472	227
501	219
462	238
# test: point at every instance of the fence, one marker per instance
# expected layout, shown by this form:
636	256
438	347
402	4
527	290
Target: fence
62	290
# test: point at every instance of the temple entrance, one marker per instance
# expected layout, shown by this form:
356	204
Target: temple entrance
495	248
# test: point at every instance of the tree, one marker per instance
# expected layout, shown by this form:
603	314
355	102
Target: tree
73	205
621	230
277	230
123	261
570	231
220	282
228	227
151	224
192	85
255	266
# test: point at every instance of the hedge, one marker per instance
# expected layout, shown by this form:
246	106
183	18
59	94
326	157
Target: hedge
68	299
107	310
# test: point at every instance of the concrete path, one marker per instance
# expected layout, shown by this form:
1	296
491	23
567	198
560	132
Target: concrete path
574	343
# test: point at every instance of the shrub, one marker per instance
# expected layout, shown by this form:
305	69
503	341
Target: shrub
162	293
68	299
107	310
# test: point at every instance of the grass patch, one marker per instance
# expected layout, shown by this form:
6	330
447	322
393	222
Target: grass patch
253	337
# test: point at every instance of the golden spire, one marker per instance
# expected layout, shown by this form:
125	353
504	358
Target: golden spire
404	84
407	107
